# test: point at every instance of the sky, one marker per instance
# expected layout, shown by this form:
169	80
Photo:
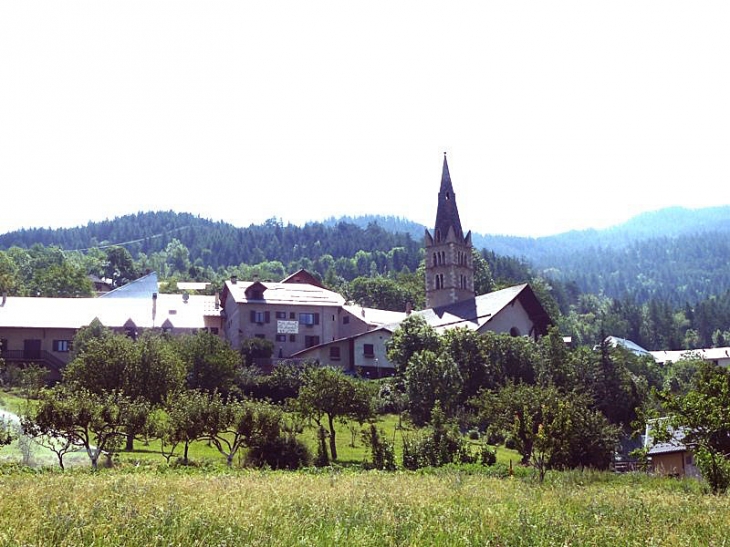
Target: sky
554	115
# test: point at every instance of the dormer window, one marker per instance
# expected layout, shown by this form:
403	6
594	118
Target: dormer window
255	291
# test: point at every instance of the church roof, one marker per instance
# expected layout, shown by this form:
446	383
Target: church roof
475	313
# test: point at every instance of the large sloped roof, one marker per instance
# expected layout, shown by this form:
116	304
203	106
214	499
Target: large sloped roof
475	313
74	313
283	293
375	317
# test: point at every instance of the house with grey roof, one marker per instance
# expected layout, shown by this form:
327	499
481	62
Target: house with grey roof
718	356
673	457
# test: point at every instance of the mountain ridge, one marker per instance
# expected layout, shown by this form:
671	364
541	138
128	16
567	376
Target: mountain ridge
676	254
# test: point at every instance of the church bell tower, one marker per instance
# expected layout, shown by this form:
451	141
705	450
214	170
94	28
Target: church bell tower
449	264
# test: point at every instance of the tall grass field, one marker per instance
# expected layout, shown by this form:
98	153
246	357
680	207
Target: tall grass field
162	506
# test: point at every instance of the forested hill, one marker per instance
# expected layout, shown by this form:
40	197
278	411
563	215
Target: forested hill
218	244
676	255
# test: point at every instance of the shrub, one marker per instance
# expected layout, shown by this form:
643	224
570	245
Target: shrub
487	456
440	446
282	452
382	451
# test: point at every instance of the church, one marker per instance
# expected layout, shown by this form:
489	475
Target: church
451	300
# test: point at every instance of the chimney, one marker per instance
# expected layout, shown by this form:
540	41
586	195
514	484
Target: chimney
409	308
154	305
234	279
5	298
255	277
217	300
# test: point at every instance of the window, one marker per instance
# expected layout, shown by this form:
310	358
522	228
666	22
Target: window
281	315
368	350
3	345
346	320
292	315
281	337
292	337
260	317
309	319
214	330
335	353
62	345
310	341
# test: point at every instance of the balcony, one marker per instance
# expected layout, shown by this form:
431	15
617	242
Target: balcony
40	357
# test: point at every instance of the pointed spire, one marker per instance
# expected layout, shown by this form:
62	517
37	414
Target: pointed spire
447	214
445	175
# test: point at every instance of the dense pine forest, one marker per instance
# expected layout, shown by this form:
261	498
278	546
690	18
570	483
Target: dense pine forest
660	280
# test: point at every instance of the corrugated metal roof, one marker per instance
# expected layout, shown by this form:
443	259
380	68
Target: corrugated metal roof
674	444
144	287
633	347
74	313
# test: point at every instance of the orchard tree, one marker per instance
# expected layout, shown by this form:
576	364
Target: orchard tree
183	419
211	364
469	351
144	370
328	394
511	358
551	429
429	378
87	420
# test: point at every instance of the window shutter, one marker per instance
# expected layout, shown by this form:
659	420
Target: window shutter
253	316
267	317
316	319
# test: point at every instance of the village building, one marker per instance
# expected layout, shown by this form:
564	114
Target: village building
673	457
718	356
41	330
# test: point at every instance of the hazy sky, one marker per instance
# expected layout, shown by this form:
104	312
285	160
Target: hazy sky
555	115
